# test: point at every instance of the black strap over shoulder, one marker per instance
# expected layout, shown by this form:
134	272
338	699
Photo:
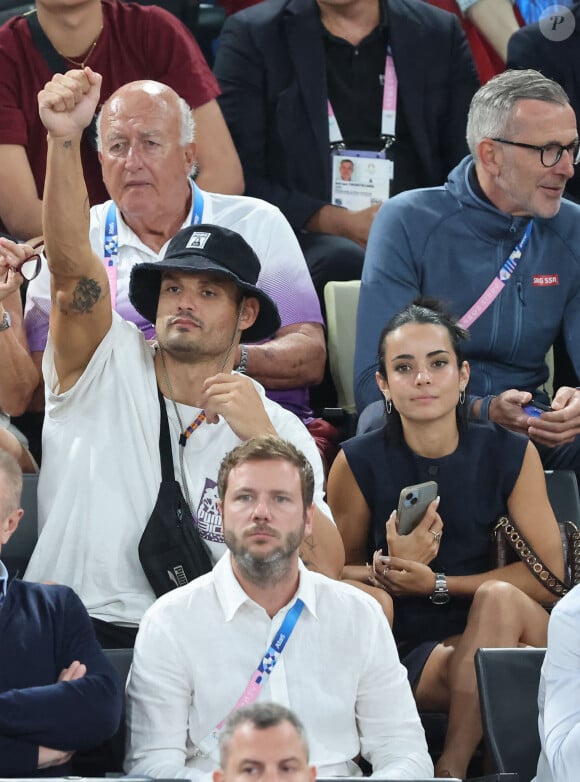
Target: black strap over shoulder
52	58
56	64
167	472
171	550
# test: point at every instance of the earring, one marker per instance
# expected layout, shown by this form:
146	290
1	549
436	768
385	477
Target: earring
388	405
461	396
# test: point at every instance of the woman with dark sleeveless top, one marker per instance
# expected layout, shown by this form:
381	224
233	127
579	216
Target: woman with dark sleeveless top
447	601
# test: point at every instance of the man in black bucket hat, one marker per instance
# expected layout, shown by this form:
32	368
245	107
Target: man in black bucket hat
109	391
206	248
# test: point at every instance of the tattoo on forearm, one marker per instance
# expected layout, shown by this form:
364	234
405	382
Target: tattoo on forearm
67	144
86	294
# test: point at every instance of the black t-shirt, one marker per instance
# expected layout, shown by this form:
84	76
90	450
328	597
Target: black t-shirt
355	76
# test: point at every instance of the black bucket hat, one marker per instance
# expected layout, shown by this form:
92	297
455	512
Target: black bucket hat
206	248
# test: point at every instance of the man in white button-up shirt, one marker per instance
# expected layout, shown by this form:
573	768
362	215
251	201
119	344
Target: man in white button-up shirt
559	696
262	627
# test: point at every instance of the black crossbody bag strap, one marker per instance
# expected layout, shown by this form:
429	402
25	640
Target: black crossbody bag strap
167	471
56	64
171	550
52	58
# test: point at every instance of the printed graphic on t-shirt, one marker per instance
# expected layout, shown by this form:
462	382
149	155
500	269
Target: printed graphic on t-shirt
208	516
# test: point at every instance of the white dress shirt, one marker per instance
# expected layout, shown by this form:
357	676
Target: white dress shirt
559	695
340	672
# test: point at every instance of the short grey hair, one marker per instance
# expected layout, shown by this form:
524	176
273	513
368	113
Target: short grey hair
493	105
261	716
10	484
187	130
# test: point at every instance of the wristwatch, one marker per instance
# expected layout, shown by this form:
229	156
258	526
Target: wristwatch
5	324
242	367
440	594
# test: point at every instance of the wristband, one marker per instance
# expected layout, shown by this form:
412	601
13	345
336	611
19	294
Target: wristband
483	408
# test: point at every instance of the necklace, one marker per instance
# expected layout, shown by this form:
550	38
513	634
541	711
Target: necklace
185	432
88	53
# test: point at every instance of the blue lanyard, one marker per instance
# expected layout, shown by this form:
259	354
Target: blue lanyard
268	661
276	648
111	242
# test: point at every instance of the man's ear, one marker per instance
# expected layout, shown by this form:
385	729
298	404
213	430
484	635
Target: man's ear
218	775
490	156
190	153
250	310
10	525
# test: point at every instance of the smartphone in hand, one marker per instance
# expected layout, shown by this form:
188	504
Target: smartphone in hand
413	502
536	408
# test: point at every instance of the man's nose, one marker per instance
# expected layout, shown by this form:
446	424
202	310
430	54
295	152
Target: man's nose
262	508
133	157
565	165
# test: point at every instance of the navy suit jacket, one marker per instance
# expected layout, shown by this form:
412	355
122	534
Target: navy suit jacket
558	60
271	68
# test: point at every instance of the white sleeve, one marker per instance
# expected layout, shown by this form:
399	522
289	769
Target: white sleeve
159	694
391	734
560	718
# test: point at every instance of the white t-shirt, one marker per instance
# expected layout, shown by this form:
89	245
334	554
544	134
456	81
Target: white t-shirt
101	472
339	671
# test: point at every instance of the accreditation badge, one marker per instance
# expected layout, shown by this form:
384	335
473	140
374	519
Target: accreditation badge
360	179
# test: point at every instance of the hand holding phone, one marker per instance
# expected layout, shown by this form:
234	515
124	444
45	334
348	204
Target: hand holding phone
413	503
535	408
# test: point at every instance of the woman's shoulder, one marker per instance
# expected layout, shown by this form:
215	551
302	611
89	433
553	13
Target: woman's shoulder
375	435
367	445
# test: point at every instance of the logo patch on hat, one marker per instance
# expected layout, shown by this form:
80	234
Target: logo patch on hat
198	239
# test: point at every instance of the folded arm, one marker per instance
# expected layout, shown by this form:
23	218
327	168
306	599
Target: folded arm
69	714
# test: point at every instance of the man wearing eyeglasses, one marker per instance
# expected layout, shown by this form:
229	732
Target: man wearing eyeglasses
19	376
500	244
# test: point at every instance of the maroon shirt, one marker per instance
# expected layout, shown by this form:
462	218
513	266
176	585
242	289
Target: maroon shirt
137	42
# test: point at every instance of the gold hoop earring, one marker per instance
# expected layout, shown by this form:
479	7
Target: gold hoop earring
461	396
388	405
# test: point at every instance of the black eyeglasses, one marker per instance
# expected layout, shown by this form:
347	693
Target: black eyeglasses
30	267
550	154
